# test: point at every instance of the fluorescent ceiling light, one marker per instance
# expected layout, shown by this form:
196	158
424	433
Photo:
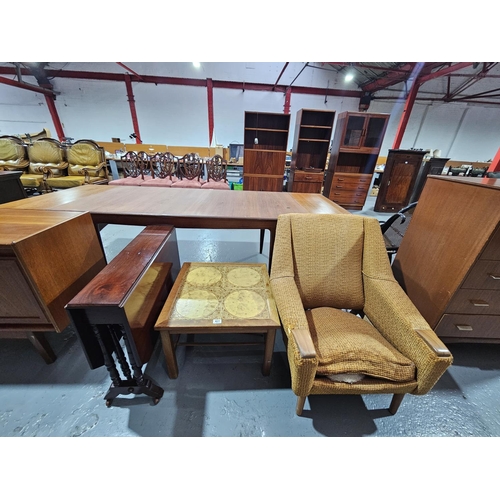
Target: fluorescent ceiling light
349	77
196	64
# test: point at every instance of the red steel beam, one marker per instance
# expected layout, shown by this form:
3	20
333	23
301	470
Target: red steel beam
495	163
410	101
26	86
131	100
55	116
286	107
130	70
281	74
168	80
444	72
210	102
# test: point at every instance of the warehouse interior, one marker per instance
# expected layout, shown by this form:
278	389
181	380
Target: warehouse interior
453	113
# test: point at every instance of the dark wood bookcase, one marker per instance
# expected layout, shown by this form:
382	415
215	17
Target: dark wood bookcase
355	149
313	132
265	143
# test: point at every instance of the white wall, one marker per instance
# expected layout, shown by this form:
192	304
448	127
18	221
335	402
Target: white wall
178	115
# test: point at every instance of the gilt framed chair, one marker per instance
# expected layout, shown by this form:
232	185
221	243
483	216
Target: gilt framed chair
47	158
216	173
189	171
163	166
13	153
86	165
326	269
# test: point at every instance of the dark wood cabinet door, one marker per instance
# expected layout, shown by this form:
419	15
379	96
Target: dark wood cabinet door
398	180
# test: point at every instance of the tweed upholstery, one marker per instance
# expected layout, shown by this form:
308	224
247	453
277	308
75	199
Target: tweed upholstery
346	344
301	283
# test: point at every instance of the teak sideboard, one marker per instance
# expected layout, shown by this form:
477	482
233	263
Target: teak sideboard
46	258
449	259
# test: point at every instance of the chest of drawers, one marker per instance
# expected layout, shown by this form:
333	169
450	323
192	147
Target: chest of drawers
449	260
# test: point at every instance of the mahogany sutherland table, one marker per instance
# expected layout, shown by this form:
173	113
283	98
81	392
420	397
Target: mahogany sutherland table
182	208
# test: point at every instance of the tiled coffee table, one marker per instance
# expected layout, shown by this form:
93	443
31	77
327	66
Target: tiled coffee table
210	298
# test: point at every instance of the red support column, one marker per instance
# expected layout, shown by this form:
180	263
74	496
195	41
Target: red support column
410	101
495	163
131	100
55	117
286	107
210	103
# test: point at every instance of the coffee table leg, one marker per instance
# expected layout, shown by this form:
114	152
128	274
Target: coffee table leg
268	351
169	351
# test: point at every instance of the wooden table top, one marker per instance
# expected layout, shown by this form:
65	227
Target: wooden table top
16	225
196	208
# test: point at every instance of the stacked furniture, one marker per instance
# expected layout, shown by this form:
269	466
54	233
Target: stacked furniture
355	149
432	166
313	131
449	259
265	141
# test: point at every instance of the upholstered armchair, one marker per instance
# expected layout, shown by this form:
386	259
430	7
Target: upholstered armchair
348	326
86	165
47	160
13	153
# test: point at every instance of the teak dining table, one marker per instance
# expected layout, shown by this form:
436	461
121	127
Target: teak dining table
181	208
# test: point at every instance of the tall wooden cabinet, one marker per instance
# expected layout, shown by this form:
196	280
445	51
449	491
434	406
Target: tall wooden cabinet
265	143
313	131
402	168
355	149
449	259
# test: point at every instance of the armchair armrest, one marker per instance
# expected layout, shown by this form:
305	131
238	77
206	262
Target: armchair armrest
395	316
433	341
304	342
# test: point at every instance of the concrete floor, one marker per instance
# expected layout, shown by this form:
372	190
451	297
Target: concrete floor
220	391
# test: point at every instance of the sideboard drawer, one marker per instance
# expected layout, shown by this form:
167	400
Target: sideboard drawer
469	326
485	275
469	301
301	176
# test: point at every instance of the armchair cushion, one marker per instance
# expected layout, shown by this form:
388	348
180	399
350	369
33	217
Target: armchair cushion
345	343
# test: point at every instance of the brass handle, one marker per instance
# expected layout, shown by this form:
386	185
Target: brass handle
479	303
466	328
308	177
338	187
494	277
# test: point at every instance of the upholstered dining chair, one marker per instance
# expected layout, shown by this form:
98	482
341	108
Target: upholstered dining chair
136	169
189	172
348	326
216	173
47	160
86	165
163	166
13	153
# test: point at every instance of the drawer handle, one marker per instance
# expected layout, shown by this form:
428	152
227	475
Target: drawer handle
479	303
308	177
338	187
466	328
494	277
